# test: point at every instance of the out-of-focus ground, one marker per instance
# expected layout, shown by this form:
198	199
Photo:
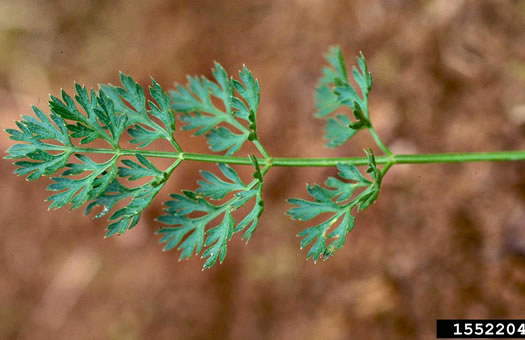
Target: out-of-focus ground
443	241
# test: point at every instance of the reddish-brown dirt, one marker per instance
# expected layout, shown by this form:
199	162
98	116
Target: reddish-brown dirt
443	241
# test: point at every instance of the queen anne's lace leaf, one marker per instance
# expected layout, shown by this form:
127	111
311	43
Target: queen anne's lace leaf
78	191
334	90
37	137
249	90
326	100
99	120
221	139
130	101
250	221
47	142
188	231
337	131
128	216
335	199
201	114
216	188
141	197
115	192
136	171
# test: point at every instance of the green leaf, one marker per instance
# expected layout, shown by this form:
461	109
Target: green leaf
337	62
143	136
114	193
46	143
217	241
362	76
315	233
334	91
369	196
337	131
222	138
223	89
351	172
250	221
160	107
198	112
339	234
306	210
342	191
128	216
131	93
250	90
326	101
346	93
38	136
215	188
47	164
78	191
336	200
130	101
190	233
136	171
99	120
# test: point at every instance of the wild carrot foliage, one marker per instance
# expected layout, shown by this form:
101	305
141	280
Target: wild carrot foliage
201	221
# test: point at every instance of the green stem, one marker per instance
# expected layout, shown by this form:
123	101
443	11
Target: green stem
386	168
312	162
261	149
378	141
244	130
172	167
175	144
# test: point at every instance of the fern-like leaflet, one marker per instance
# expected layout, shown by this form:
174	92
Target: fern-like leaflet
189	233
336	199
202	115
105	115
334	91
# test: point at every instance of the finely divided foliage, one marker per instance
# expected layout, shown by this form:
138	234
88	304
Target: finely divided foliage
212	187
224	110
336	199
334	91
202	115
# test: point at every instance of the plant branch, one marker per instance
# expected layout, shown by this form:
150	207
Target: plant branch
378	141
463	157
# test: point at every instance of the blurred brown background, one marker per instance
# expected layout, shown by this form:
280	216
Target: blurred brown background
443	241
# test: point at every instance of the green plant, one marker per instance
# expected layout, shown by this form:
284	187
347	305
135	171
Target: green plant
47	142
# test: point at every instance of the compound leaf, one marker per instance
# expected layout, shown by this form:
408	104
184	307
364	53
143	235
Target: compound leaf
335	199
217	241
251	220
128	216
99	120
36	135
250	90
337	130
216	188
190	233
136	171
78	191
222	138
46	141
334	91
114	193
130	101
200	113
